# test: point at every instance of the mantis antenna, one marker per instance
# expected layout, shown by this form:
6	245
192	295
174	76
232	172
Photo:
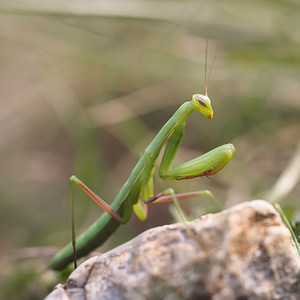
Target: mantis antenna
207	78
206	82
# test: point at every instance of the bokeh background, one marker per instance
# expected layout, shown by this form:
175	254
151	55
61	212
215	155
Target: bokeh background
86	85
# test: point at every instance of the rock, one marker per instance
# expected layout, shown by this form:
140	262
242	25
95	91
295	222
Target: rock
244	252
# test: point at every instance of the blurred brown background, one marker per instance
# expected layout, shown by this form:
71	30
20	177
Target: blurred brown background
86	85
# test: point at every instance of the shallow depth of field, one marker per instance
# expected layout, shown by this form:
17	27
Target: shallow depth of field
84	88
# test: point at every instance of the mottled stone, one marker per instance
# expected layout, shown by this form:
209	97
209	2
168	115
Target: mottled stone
244	252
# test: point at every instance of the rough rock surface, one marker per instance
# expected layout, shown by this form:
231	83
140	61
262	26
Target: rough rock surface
244	252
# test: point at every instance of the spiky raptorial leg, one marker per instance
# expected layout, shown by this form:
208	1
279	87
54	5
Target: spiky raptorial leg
207	164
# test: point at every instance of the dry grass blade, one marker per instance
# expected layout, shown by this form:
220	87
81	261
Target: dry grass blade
287	180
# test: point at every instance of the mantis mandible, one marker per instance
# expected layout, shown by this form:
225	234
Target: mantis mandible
140	181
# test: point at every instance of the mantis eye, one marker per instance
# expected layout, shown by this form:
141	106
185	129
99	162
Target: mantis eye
201	102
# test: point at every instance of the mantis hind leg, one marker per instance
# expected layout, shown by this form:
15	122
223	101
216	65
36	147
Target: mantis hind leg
97	199
169	196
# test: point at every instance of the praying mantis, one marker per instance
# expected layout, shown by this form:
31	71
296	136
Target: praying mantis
140	182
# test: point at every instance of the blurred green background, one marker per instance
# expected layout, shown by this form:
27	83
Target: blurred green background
86	85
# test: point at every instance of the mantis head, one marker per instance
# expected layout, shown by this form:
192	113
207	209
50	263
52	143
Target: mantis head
203	104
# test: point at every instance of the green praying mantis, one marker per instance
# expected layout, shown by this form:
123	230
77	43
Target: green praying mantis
137	192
